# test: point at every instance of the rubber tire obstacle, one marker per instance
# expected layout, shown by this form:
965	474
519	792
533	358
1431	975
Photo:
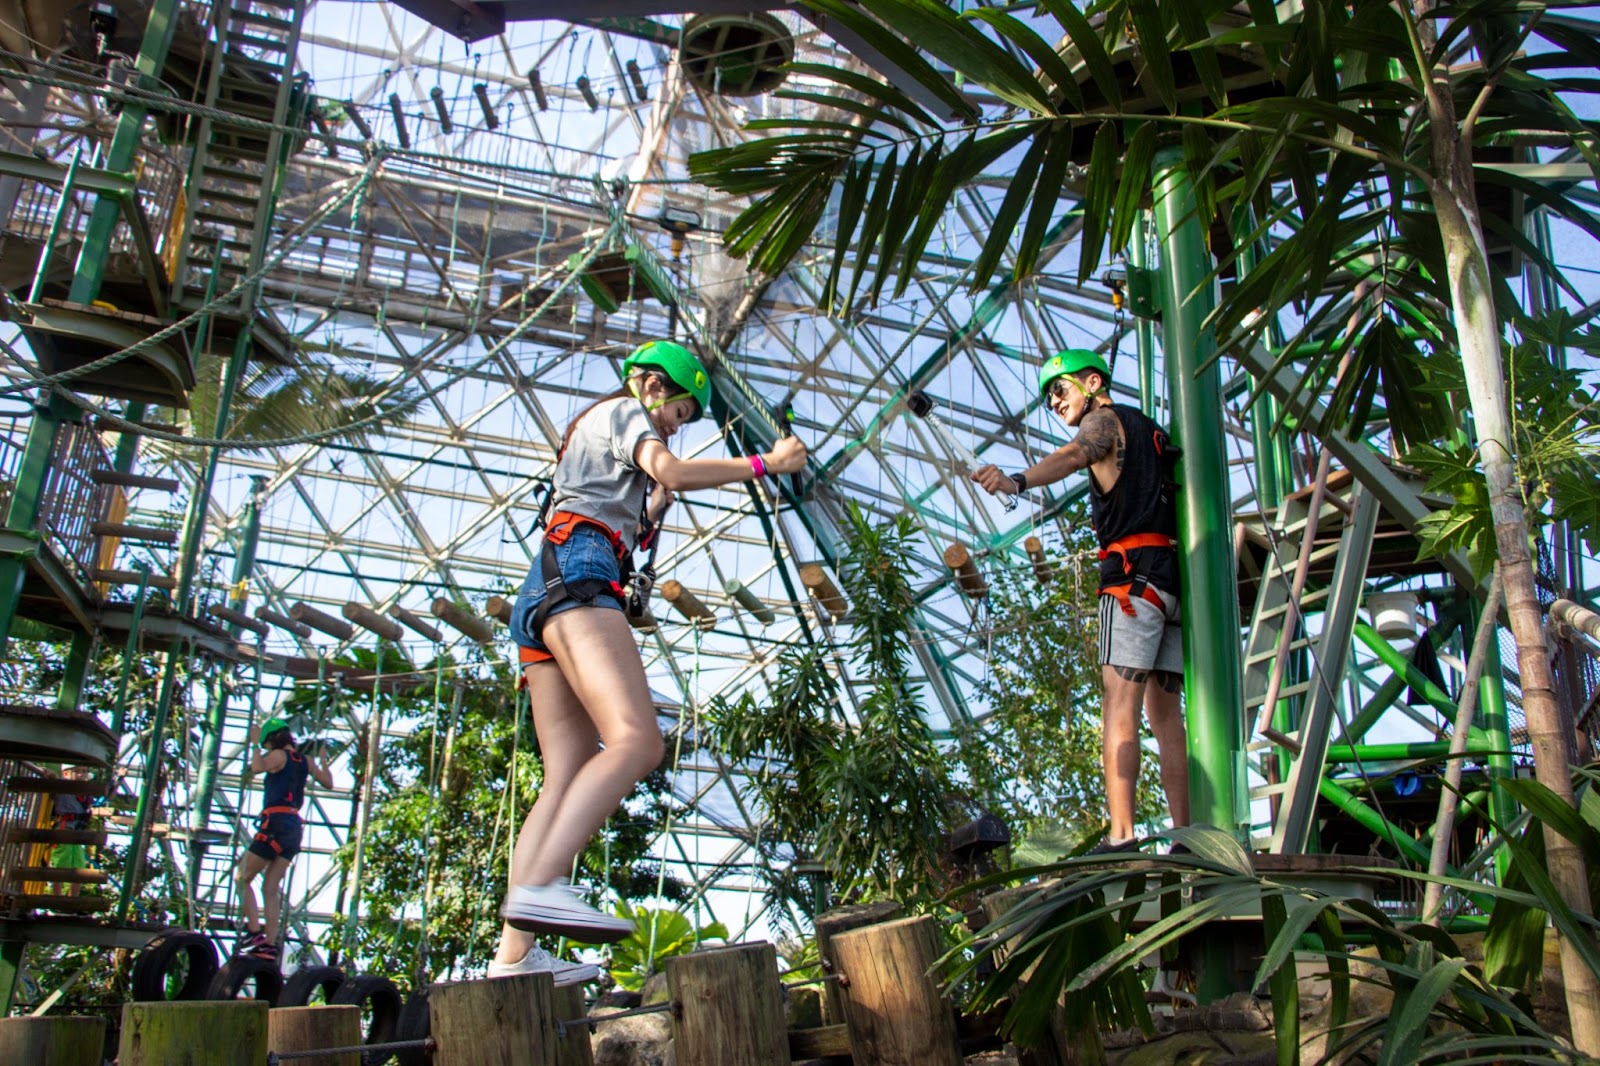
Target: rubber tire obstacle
154	965
379	998
414	1026
304	983
230	980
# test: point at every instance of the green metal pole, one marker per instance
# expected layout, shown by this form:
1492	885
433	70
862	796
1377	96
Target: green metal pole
27	498
36	292
119	709
217	709
79	655
148	66
1213	686
147	787
1421	684
1424	749
1497	726
11	956
364	814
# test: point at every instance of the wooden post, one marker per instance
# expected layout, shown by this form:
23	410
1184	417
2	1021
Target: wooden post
372	621
573	1047
830	924
687	603
1055	1049
499	608
816	579
968	577
315	1028
509	1021
53	1040
727	1007
462	621
219	1033
893	1006
308	615
1041	563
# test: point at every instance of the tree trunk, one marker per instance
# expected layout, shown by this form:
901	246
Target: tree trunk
1455	206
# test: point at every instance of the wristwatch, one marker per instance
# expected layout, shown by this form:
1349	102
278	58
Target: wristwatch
1021	481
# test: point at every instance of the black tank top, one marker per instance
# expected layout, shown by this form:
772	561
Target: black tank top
1142	501
286	787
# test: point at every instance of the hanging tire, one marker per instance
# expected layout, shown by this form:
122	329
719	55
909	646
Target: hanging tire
181	957
300	986
243	969
380	1005
414	1026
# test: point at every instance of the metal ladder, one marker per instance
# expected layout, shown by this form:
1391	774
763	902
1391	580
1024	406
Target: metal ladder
1341	533
233	173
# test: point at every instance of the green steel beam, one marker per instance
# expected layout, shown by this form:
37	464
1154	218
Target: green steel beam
27	496
1422	749
1213	685
1492	711
1424	686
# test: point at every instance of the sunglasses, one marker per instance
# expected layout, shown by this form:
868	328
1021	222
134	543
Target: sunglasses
1061	388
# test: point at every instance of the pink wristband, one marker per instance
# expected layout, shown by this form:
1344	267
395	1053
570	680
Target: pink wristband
758	466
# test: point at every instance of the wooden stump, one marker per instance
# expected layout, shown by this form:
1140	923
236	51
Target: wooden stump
55	1040
217	1033
316	1028
572	1039
727	1007
830	924
509	1021
893	1006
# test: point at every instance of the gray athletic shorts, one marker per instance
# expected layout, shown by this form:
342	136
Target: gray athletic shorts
1150	639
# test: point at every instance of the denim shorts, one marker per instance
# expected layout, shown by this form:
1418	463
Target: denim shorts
278	837
588	568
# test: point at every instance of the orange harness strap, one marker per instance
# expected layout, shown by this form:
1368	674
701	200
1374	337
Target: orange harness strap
562	523
280	810
1123	594
1123	545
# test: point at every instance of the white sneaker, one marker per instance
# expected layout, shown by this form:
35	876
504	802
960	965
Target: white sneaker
537	960
557	908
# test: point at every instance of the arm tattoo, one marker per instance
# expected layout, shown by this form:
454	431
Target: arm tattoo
1098	436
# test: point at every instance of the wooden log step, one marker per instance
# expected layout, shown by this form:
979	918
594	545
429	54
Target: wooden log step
77	876
90	786
17	835
240	619
65	904
125	821
144	534
824	1042
130	577
107	476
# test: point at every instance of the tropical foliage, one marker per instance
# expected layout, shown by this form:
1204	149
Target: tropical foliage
864	791
1033	751
658	934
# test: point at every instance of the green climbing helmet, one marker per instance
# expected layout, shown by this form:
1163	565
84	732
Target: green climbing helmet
1071	361
677	363
271	726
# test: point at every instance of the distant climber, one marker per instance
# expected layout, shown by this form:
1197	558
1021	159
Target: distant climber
277	840
1132	502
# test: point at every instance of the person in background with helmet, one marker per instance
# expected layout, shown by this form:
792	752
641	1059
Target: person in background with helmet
1132	502
592	709
277	841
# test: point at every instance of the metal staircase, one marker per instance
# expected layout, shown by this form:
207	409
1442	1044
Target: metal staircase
1315	564
233	177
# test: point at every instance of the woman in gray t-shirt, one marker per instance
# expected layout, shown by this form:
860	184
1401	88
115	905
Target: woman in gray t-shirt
592	708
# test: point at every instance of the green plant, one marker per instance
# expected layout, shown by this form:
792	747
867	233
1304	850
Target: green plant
864	792
658	934
1033	752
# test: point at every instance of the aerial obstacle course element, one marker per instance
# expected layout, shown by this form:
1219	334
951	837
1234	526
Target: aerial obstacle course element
373	622
415	623
306	614
823	590
54	1040
969	579
1042	569
686	603
462	621
742	595
284	622
499	608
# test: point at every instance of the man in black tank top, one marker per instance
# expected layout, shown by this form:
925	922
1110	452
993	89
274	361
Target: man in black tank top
1132	503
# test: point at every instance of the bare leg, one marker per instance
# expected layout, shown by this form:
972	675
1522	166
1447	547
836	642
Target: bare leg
250	867
1163	704
598	658
567	740
1124	695
272	891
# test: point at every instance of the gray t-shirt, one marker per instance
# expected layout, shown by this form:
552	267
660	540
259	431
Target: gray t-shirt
596	476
